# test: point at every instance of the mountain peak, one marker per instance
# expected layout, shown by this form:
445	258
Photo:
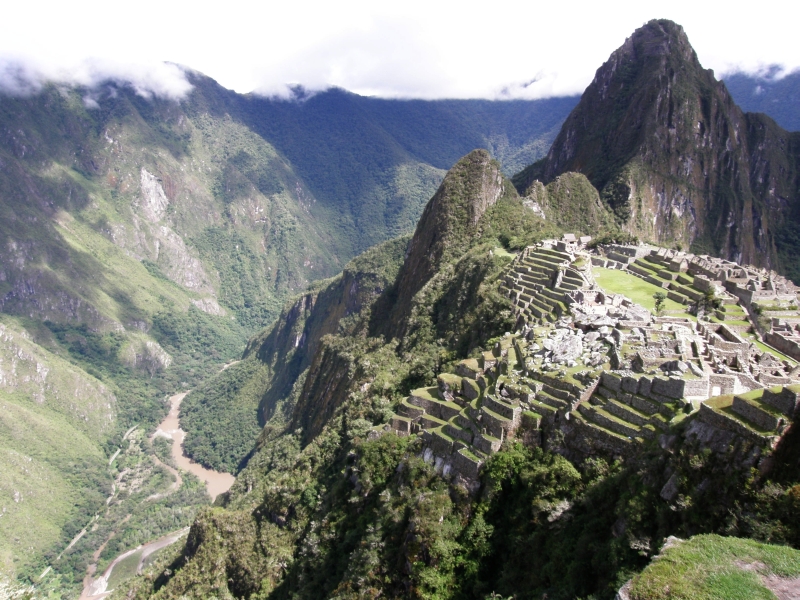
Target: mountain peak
673	156
659	37
449	222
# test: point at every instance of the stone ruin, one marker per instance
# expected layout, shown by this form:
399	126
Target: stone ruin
590	372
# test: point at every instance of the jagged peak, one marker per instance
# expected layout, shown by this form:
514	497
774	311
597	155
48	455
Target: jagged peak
659	37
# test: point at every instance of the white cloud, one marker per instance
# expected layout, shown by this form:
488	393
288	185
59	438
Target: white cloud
414	48
26	75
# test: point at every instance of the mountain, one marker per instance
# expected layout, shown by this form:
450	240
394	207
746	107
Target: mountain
772	92
676	159
332	504
142	241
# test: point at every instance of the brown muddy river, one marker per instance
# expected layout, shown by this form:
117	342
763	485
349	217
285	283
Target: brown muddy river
216	483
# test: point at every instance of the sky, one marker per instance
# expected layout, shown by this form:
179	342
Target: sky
407	49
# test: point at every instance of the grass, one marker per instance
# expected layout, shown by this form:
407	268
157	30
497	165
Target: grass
500	251
638	290
47	466
708	567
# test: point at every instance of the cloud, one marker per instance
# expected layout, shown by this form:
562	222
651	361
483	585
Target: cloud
27	75
770	73
398	58
409	49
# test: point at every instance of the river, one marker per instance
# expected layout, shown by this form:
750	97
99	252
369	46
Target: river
216	483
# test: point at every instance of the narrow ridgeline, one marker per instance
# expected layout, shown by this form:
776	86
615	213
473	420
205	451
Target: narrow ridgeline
588	372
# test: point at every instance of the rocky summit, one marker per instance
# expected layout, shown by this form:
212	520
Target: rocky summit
675	158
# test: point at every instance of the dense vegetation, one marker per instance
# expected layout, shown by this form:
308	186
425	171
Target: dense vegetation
223	417
124	298
324	508
347	517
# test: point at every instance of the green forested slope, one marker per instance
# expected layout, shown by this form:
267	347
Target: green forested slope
143	240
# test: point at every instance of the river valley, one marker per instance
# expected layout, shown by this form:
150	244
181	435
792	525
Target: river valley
135	559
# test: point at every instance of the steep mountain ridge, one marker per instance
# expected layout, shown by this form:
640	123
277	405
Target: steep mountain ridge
142	240
332	504
448	225
144	237
675	158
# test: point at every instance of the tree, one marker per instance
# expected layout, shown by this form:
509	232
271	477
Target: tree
660	298
708	302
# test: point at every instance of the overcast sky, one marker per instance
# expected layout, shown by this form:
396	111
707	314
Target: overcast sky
411	48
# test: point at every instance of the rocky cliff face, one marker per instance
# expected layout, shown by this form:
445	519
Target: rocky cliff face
675	158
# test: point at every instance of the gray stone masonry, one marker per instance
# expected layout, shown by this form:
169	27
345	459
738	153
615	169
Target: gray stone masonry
467	464
468	368
611	381
457	433
723	421
788	345
671	388
694	388
785	400
624	412
470	388
595	439
433	407
402	425
501	408
592	413
630	385
753	413
441	445
465	422
589	371
487	444
409	410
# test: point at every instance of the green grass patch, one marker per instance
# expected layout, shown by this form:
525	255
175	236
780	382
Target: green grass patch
769	349
638	290
708	567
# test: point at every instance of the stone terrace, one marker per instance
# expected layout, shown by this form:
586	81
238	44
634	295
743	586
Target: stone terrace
589	372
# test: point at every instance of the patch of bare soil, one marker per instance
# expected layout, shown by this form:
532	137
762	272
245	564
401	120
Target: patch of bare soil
783	587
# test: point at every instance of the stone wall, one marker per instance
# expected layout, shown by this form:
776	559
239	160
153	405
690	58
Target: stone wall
671	388
786	345
754	414
696	388
786	400
725	383
709	416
